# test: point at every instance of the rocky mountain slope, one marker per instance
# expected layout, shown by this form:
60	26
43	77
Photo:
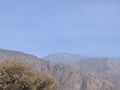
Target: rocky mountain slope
69	77
107	66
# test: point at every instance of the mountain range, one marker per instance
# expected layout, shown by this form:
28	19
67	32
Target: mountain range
74	75
107	66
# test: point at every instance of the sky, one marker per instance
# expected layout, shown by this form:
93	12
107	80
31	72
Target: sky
40	27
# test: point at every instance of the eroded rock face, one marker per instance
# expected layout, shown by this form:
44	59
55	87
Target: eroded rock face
69	77
106	66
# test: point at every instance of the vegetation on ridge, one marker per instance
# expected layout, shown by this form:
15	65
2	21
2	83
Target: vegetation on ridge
15	75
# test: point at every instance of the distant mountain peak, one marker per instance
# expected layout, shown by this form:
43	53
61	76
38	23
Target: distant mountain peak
68	76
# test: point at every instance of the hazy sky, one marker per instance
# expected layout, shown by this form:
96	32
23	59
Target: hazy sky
40	27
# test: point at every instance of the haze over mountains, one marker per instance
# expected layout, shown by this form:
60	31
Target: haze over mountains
63	57
108	66
71	77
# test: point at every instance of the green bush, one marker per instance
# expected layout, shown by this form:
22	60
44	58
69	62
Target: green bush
15	75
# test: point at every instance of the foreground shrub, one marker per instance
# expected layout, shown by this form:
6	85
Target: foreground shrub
15	75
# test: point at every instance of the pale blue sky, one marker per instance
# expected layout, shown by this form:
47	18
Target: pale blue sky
41	27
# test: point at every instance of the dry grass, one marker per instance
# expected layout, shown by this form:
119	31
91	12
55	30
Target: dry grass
15	75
